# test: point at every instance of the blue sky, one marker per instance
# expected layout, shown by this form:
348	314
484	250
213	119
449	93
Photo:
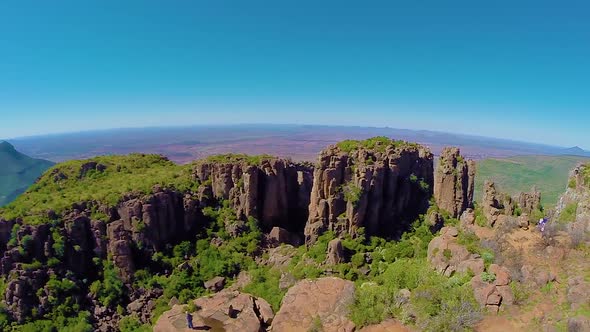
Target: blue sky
508	69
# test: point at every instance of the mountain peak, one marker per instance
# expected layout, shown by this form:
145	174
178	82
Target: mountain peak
6	147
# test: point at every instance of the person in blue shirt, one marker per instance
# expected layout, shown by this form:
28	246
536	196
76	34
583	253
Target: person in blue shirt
189	320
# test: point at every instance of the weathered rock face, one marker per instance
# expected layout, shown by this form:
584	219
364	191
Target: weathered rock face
577	195
161	218
383	190
446	256
491	202
309	303
229	311
529	202
20	295
276	192
335	254
496	294
454	182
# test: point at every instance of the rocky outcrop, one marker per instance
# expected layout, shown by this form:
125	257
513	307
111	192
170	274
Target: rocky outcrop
120	249
577	197
274	191
161	218
454	182
21	292
529	202
446	256
280	235
382	189
493	294
323	303
335	253
228	311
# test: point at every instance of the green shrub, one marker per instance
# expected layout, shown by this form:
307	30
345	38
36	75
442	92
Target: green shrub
110	289
447	254
488	277
58	243
265	284
14	235
568	214
379	143
316	325
519	291
352	193
132	324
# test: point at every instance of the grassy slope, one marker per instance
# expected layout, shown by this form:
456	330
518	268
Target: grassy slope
17	172
133	173
516	174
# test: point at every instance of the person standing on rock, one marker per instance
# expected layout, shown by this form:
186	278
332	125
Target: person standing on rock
189	320
542	223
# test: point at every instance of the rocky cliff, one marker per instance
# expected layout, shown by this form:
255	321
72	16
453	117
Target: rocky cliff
381	185
454	182
274	191
574	204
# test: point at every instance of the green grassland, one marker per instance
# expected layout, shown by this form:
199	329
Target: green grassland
516	174
64	185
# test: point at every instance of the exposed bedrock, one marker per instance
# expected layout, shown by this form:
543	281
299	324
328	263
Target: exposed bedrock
275	191
454	181
382	189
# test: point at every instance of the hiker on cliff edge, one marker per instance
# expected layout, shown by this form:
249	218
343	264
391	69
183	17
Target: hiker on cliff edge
542	223
189	320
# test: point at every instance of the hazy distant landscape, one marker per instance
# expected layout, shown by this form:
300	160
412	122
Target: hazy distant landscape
299	142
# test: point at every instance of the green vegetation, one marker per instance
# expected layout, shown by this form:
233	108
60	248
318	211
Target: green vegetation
488	277
17	172
519	174
568	214
265	284
110	290
352	193
438	303
132	324
379	143
64	184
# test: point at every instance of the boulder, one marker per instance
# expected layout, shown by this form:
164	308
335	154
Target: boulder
215	285
446	256
454	182
324	301
490	295
502	274
335	253
536	275
467	218
280	235
229	311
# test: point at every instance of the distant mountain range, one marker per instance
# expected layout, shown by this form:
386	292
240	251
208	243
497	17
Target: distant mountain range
17	172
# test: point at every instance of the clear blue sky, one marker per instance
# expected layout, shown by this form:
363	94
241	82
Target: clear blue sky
510	69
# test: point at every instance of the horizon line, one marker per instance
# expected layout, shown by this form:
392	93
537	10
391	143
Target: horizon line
212	125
